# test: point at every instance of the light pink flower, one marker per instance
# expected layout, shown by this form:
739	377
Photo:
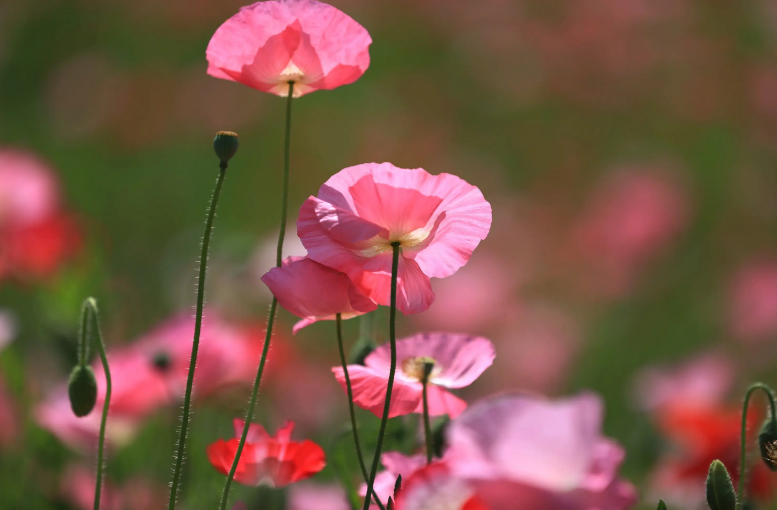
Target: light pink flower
315	292
458	361
514	446
269	44
753	302
395	464
29	190
438	220
435	487
304	496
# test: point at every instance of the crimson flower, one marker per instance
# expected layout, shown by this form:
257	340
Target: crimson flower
269	44
458	360
438	221
275	461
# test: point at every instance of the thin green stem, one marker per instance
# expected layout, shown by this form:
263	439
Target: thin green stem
83	337
743	454
90	305
196	342
349	390
427	427
273	306
392	371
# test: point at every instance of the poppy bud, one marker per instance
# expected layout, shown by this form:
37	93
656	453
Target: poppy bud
225	145
661	505
398	486
720	489
82	390
767	442
390	505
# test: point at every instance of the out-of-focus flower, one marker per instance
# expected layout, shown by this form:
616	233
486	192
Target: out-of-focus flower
269	44
395	464
752	308
7	328
275	461
315	292
305	496
151	373
77	487
9	418
438	221
433	486
632	217
544	454
458	361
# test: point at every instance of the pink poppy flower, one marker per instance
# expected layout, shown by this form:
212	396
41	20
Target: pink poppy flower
458	361
269	44
29	189
753	302
524	448
438	220
395	464
434	486
305	496
315	292
275	461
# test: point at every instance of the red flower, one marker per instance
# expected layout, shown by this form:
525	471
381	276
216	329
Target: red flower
275	461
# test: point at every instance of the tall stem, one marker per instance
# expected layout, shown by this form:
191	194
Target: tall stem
427	427
196	342
90	305
349	390
273	306
392	371
743	453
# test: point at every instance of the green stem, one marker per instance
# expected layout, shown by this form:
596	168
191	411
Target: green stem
273	306
743	453
349	390
427	427
83	337
196	342
392	371
90	305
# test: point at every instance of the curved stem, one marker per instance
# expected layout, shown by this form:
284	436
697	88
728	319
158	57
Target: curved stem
273	306
743	453
83	336
349	390
392	371
427	427
91	305
196	342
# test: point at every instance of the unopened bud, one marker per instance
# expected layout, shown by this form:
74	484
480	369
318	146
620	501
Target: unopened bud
398	486
82	390
661	505
720	489
225	145
767	442
390	504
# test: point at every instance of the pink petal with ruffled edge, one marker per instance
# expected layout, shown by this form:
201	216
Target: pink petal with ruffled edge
259	43
369	391
315	292
256	433
461	358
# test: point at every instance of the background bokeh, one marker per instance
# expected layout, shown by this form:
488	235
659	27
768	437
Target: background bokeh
628	148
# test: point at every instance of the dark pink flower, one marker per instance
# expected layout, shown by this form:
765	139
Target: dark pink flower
438	220
458	361
315	292
753	302
269	44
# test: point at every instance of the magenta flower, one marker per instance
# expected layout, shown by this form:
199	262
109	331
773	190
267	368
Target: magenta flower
438	220
315	292
458	361
269	44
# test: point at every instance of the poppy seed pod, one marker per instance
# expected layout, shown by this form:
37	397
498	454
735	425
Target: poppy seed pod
225	144
82	390
720	489
767	442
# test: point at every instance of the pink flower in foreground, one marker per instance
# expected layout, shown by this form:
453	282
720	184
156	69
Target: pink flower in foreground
435	487
269	44
315	292
438	220
753	302
275	461
305	496
520	451
458	361
395	464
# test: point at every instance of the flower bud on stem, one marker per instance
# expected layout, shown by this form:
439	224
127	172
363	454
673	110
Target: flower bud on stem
768	427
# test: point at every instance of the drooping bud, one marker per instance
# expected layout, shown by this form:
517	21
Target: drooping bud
82	390
720	489
661	505
225	144
767	442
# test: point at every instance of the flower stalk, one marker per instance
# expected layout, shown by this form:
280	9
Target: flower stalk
743	453
428	367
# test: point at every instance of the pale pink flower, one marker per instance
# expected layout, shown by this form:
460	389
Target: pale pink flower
305	496
269	44
29	189
434	487
753	302
438	220
458	361
315	292
395	464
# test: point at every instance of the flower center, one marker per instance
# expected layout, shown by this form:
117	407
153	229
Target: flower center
414	367
291	73
382	245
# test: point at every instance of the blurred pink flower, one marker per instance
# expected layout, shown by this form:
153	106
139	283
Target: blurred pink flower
458	361
315	292
438	220
77	486
548	454
395	464
29	189
305	496
433	486
631	217
151	373
269	44
7	328
753	302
